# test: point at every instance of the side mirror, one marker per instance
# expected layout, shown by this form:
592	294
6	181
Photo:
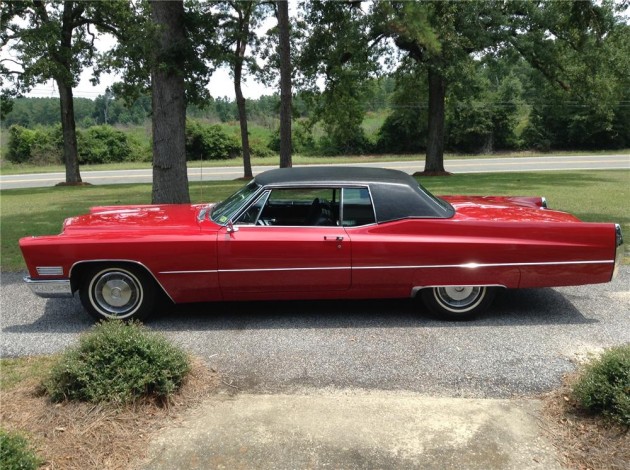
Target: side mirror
231	228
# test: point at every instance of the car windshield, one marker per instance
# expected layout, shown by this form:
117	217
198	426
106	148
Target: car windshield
226	209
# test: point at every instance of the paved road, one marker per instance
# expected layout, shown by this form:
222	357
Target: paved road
521	347
479	165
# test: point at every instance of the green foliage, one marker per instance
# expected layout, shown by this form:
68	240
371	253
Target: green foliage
205	142
108	109
261	151
604	385
342	113
561	120
40	146
103	144
482	110
16	453
118	362
97	144
593	111
405	129
336	47
302	139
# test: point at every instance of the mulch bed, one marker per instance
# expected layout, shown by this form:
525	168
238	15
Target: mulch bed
584	441
73	435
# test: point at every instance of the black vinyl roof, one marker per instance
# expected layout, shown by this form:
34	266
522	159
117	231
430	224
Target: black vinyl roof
396	195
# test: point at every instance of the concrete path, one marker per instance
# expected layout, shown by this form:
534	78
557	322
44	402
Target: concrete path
355	430
464	165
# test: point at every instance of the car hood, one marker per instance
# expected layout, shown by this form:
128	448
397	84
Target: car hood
171	216
509	209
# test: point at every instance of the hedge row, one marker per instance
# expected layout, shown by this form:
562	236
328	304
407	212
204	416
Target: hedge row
106	144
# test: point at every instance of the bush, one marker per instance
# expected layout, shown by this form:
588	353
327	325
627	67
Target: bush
118	362
209	143
403	131
16	453
604	385
261	151
102	144
42	145
302	139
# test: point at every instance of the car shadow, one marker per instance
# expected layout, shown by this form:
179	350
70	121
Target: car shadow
510	308
518	307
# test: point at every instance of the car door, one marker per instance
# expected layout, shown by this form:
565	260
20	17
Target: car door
283	243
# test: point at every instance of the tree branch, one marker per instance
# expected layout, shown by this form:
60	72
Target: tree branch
41	10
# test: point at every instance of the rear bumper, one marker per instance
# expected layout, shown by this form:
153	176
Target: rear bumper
618	250
50	287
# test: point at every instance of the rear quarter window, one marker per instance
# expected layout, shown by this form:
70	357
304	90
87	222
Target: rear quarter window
357	207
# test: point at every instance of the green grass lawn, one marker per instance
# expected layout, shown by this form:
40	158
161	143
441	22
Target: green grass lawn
594	196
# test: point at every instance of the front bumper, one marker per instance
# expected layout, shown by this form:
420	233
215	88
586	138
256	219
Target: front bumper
49	288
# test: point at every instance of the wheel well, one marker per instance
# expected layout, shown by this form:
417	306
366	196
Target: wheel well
78	270
415	291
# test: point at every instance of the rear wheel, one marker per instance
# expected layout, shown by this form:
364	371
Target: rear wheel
116	292
458	302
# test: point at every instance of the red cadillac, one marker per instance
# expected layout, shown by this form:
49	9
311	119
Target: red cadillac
320	233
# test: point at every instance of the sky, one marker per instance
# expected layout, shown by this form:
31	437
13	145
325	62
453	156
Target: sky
221	83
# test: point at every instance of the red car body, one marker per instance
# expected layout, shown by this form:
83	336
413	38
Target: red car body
191	255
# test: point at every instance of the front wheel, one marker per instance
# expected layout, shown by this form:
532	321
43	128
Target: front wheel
458	302
117	293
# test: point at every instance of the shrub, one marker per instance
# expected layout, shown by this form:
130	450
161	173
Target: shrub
102	144
302	139
42	145
118	362
604	385
209	143
16	453
261	151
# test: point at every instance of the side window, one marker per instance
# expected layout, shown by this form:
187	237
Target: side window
295	207
357	207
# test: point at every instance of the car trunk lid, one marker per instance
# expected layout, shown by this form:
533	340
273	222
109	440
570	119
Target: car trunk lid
512	208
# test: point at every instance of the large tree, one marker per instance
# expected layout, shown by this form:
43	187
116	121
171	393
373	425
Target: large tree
446	38
286	92
162	50
170	174
541	32
54	41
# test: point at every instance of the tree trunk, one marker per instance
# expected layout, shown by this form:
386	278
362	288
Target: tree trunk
242	117
70	152
170	176
488	144
435	139
240	104
66	102
285	84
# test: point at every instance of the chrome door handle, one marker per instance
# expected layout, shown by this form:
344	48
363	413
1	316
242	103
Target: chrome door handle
338	239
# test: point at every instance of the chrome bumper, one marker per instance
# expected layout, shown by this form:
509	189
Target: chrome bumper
50	287
619	252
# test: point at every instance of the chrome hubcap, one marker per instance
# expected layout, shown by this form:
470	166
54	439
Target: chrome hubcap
459	298
116	293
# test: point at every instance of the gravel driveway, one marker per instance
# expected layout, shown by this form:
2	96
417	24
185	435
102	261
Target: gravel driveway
522	346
